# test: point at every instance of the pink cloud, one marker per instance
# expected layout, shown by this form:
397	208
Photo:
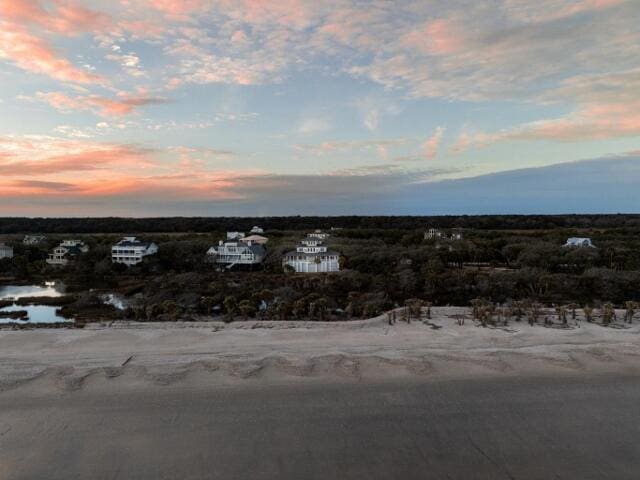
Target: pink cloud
66	17
42	156
212	186
33	54
432	145
436	37
73	169
60	101
177	8
598	122
548	10
124	105
607	106
239	37
381	146
293	13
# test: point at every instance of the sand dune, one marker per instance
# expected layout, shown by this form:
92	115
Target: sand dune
135	355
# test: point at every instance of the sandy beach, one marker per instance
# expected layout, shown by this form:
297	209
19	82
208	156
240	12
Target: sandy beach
144	355
317	400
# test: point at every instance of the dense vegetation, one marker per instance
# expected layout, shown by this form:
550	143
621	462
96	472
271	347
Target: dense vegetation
208	224
385	262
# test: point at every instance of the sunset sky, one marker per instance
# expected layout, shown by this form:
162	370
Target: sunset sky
268	107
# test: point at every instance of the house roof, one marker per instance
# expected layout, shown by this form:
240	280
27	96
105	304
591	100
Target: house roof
132	243
69	250
75	250
254	238
311	254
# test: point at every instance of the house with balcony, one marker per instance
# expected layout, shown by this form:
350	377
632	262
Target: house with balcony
233	253
67	251
312	256
5	251
131	251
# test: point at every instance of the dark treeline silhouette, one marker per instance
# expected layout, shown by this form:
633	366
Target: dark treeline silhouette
208	224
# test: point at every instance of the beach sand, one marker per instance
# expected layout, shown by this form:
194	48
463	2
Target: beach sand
142	354
320	400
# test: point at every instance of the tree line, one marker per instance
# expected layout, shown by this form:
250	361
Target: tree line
18	225
382	268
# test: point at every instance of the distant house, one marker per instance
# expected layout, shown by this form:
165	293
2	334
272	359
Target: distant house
579	242
436	233
318	234
131	251
259	239
235	235
312	256
432	233
66	251
33	239
257	229
6	251
237	253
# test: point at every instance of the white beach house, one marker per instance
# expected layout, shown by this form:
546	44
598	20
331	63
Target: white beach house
312	256
66	251
579	242
241	252
131	251
6	251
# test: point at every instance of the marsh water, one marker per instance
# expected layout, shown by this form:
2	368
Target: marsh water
37	313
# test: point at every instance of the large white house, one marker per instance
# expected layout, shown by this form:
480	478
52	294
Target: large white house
257	229
579	242
66	251
6	251
312	256
131	251
236	253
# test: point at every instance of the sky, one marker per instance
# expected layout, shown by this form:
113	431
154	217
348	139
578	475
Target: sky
293	107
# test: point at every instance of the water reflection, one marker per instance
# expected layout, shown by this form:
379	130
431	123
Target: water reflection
36	313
